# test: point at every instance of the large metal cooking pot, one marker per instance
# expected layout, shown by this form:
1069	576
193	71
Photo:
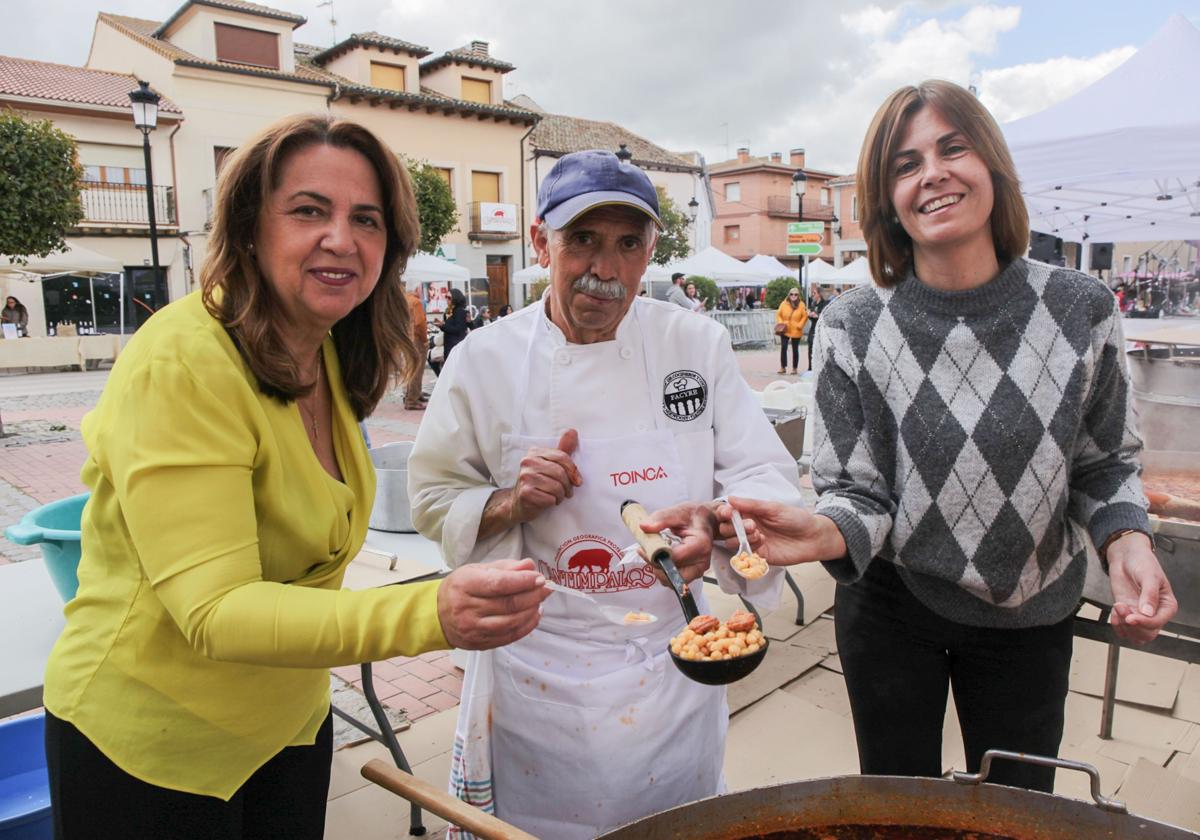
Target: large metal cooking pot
1166	394
391	511
962	804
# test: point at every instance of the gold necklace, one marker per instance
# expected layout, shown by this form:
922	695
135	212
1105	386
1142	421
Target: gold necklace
312	414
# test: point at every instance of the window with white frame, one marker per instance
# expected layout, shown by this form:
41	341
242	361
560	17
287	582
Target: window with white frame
854	208
733	191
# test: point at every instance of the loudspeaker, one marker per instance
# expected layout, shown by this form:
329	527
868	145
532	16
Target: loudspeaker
1102	253
1045	248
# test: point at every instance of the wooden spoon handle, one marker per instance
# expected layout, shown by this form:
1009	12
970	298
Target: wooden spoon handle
633	514
438	801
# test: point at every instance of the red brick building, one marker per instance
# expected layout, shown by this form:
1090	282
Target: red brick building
754	200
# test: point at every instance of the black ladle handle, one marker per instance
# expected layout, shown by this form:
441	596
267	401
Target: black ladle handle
659	552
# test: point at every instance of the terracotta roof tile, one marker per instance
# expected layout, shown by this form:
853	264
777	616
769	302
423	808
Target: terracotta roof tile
559	135
63	83
233	6
470	55
754	162
142	30
432	98
370	39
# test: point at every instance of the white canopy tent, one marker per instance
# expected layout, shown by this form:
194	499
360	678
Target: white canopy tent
1120	160
772	266
722	268
426	268
76	260
820	271
857	273
530	274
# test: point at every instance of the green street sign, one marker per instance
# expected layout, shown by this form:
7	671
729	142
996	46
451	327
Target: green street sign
804	238
801	249
806	227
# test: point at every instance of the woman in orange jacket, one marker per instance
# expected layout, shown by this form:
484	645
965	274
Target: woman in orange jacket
790	319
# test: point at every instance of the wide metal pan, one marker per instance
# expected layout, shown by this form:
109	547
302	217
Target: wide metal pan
964	804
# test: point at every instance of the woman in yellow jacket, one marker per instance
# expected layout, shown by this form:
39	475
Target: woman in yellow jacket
188	696
790	319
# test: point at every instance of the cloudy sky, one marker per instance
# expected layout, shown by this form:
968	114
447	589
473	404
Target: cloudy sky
713	75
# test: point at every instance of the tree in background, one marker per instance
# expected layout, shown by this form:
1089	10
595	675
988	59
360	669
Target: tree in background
39	187
777	290
435	204
706	289
673	241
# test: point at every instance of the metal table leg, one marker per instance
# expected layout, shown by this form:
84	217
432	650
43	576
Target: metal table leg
792	585
385	736
1110	691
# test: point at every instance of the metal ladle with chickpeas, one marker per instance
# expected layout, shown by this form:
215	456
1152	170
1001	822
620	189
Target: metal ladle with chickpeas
707	650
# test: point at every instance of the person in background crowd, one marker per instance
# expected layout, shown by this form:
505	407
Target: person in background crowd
414	399
790	318
677	295
482	319
694	300
188	695
506	309
15	313
816	305
455	325
960	495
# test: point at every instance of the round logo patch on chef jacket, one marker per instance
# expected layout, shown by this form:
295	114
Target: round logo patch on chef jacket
589	562
685	394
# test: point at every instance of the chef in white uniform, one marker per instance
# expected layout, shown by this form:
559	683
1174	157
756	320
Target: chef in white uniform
540	426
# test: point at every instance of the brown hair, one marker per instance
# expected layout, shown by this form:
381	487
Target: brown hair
373	342
889	247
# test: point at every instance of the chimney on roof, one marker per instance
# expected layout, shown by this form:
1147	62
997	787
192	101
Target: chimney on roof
797	157
743	154
479	47
776	157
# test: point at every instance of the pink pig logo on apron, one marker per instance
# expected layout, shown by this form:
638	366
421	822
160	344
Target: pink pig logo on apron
589	562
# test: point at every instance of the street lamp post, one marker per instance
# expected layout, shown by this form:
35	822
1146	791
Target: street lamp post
693	206
144	103
799	181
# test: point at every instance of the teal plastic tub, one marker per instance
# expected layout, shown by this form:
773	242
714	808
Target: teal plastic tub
55	529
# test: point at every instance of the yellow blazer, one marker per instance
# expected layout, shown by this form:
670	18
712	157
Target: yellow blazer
210	605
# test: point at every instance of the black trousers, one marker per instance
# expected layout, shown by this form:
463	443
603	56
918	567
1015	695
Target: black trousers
92	798
812	334
783	348
898	656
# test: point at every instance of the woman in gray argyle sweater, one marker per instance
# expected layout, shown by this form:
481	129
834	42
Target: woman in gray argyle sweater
974	439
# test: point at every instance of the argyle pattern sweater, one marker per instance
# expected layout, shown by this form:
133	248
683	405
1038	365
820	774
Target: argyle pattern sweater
977	439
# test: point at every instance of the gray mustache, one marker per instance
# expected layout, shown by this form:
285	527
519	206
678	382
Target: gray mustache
589	284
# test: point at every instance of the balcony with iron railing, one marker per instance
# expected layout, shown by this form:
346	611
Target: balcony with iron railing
124	205
785	206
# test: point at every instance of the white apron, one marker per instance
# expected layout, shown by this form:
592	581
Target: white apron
585	725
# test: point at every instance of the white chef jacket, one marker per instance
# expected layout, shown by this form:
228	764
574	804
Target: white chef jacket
728	446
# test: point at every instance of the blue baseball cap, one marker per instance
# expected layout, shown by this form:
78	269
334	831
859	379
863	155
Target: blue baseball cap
582	181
